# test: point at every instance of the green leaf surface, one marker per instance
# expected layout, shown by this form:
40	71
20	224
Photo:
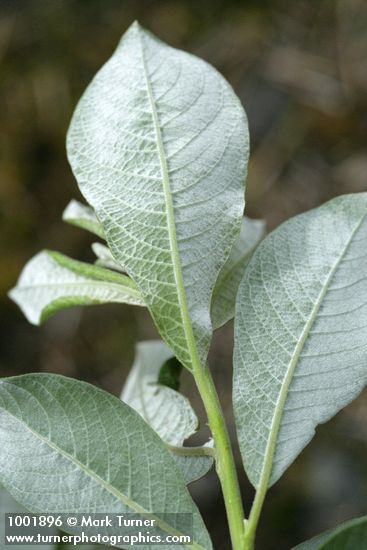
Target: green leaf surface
167	411
159	146
105	258
350	535
225	291
82	216
66	446
51	281
300	333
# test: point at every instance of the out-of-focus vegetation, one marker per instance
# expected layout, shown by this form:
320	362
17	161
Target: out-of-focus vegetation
300	70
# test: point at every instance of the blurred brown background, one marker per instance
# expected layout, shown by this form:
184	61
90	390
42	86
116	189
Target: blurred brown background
300	70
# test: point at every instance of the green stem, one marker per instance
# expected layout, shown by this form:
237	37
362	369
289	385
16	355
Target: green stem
225	464
253	520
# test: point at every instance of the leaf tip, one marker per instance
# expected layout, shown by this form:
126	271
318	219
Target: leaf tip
134	29
15	296
135	25
12	293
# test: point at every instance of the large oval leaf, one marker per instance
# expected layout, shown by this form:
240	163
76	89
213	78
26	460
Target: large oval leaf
99	453
300	333
350	535
159	146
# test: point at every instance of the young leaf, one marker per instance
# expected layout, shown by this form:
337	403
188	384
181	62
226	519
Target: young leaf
51	281
98	452
300	333
159	146
225	291
168	412
105	258
82	216
193	467
170	373
351	535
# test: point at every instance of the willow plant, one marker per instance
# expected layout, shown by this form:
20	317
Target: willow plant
159	147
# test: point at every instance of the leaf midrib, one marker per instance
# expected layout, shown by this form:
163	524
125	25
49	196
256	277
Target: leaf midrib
171	225
107	486
115	286
278	414
89	271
